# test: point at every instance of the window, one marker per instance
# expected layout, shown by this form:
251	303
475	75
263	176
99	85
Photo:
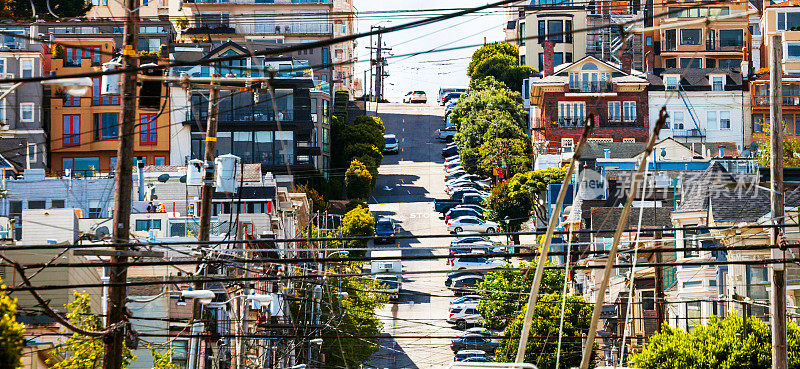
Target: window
731	38
571	113
757	282
671	40
758	122
629	111
725	120
160	161
144	225
521	34
692	284
99	99
106	126
32	149
555	31
629	139
26	68
85	167
326	140
788	21
717	83
648	300
148	134
2	67
558	59
671	63
70	100
691	62
568	31
567	143
671	82
614	113
729	63
693	315
26	112
692	240
711	120
72	129
542	31
57	204
36	204
793	51
676	119
691	36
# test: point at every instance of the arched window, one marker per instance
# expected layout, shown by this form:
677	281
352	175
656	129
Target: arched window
589	66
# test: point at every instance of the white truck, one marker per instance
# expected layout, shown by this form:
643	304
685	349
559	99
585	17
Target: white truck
387	265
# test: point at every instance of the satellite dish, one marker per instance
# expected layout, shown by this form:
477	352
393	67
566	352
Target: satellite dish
101	232
163	178
183	179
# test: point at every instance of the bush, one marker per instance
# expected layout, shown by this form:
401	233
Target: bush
358	181
318	201
358	222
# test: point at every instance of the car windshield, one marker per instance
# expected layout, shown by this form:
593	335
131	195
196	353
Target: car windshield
384	226
389	281
391	140
419	92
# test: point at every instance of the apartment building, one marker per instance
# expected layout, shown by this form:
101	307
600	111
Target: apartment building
344	55
294	137
603	38
714	44
552	21
84	131
22	114
561	101
703	104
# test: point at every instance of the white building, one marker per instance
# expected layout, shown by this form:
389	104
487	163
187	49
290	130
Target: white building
704	105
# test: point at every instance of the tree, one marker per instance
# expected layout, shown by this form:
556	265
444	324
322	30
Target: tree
791	149
162	361
505	291
358	222
499	60
318	202
511	154
20	10
358	180
12	333
543	342
82	352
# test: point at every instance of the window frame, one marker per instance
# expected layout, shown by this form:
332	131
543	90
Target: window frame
32	155
22	67
699	37
149	136
614	111
670	87
98	127
22	112
74	134
626	105
712	82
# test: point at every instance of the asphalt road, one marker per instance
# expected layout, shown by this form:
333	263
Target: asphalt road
408	183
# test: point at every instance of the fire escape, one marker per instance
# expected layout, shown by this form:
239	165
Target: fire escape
604	41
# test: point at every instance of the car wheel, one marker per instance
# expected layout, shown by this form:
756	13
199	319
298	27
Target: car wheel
461	324
490	230
458	230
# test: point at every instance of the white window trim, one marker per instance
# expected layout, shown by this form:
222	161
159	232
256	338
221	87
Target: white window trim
35	148
711	80
617	117
677	81
33	66
628	139
629	103
567	142
5	68
33	112
719	120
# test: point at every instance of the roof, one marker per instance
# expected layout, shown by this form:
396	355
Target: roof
695	77
607	218
14	152
697	187
594	150
785	4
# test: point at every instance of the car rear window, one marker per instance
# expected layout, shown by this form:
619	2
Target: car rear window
419	92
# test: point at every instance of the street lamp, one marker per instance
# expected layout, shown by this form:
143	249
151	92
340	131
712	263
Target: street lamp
73	86
205	297
316	341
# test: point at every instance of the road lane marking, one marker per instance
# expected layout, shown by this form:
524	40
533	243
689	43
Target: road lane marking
409	192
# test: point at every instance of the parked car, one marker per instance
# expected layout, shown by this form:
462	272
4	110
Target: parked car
465	284
471	224
452	158
446	90
457	213
443	205
450	151
454	168
474	342
446	133
477	359
475	207
471	356
451	164
450	96
415	97
385	230
476	261
454	175
467	177
478	330
391	283
466	184
453	275
466	299
464	316
390	144
459	194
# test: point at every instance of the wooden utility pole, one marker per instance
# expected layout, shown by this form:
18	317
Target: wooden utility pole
661	312
778	283
206	195
112	355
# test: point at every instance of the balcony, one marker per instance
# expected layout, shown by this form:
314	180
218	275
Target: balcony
571	122
212	30
694	132
591	86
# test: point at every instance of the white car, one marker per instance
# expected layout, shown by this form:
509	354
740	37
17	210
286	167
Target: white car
463	316
472	224
476	261
453	169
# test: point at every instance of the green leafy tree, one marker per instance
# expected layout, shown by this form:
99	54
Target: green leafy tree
543	343
511	154
505	291
21	10
319	202
791	149
12	333
358	222
488	51
162	360
82	352
500	61
719	344
361	150
358	180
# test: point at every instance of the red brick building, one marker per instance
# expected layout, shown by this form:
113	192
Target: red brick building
566	95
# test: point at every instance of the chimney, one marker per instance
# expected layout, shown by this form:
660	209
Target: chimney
607	153
627	59
721	151
548	58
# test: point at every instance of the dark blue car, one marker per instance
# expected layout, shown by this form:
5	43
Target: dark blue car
384	230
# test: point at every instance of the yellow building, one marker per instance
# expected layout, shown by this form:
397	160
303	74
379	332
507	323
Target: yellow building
552	22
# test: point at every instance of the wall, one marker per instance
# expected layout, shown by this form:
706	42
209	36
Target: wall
701	103
532	46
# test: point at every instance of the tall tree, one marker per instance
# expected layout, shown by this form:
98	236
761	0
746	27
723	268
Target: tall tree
504	291
23	10
522	197
358	222
543	346
720	343
82	352
358	180
500	61
12	333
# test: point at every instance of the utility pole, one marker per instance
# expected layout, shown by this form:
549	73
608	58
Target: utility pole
380	62
659	282
112	355
206	194
778	282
